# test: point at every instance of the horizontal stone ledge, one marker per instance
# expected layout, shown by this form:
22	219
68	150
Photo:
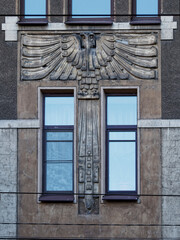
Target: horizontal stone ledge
20	123
159	123
142	123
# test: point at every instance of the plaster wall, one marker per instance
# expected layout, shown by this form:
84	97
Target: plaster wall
8	182
63	220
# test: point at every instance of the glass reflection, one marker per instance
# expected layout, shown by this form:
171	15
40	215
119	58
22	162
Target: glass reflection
59	177
59	111
122	166
147	6
122	136
122	110
59	136
91	7
35	7
59	151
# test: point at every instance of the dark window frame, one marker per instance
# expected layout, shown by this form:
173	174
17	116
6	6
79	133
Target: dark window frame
119	195
93	20
145	19
55	196
32	21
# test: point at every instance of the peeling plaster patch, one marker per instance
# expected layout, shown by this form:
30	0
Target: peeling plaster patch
11	27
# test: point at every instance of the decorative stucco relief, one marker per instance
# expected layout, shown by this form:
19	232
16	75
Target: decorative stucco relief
89	57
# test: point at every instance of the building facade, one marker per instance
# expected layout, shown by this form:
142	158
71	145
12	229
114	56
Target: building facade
90	119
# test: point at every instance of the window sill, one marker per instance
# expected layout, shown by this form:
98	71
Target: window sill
120	198
145	22
57	198
90	22
32	22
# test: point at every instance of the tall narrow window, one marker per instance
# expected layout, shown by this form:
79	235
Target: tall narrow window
58	148
146	11
101	10
34	11
121	141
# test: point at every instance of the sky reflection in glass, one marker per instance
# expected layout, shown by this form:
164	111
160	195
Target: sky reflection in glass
59	177
122	136
59	111
122	166
35	7
147	6
91	7
122	110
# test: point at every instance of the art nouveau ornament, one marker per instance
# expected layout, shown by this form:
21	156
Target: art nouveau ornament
89	57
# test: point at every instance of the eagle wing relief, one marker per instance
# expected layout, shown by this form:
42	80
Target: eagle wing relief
127	56
54	56
89	56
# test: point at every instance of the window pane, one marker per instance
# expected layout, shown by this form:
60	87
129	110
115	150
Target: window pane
59	136
122	136
59	111
59	177
59	151
147	7
122	110
35	7
91	7
122	166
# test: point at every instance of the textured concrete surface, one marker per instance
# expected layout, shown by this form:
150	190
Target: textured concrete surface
8	72
8	181
56	7
170	67
171	182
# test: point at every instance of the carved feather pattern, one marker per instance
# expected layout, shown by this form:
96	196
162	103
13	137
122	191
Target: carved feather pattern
87	55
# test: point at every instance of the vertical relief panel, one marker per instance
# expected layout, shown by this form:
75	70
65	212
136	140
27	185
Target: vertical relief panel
88	150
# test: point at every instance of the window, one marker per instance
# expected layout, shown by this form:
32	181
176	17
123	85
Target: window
93	7
121	147
33	7
58	135
146	7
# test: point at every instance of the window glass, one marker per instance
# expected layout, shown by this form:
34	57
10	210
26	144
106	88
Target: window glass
122	166
59	151
122	110
59	111
146	7
59	177
59	136
91	7
122	136
58	144
121	144
35	7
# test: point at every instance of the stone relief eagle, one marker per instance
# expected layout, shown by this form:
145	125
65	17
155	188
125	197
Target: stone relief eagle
89	55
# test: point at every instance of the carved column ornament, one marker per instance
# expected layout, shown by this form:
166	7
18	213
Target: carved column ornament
89	57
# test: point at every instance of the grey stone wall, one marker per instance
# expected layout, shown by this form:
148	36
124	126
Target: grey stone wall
171	182
170	57
8	182
8	68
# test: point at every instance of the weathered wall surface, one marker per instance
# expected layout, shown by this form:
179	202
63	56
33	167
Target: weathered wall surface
117	213
8	182
8	68
171	182
170	60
